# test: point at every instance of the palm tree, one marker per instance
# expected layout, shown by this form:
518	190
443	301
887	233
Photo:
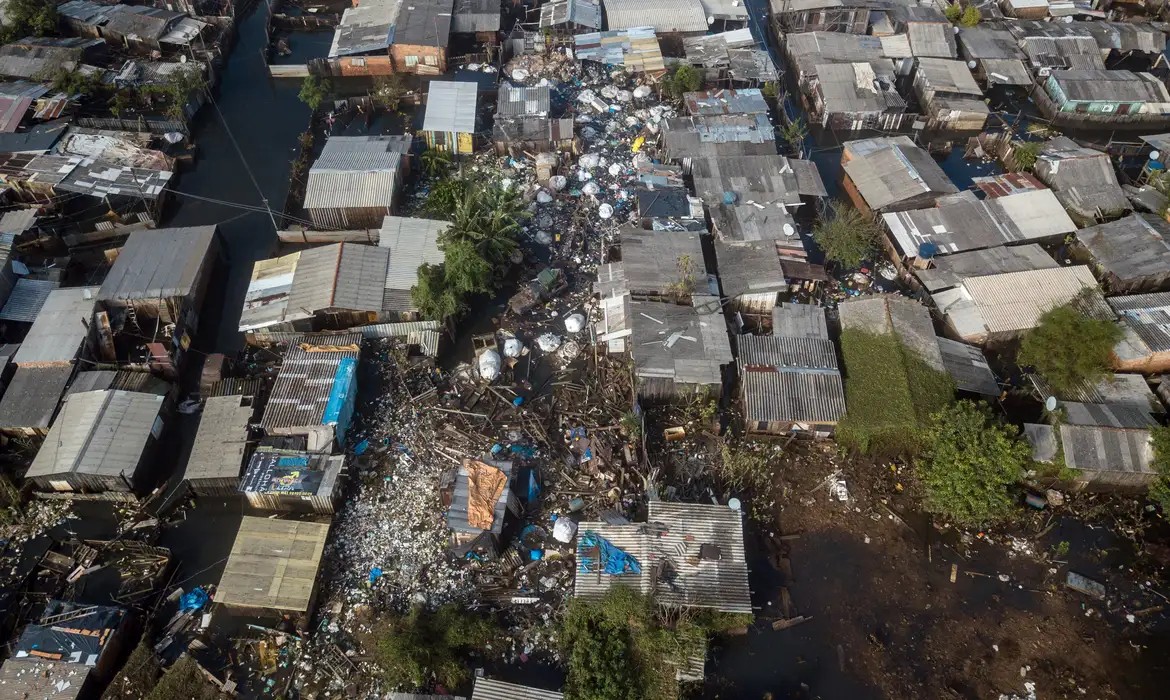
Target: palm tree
436	162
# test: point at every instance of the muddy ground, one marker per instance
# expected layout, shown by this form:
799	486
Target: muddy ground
888	622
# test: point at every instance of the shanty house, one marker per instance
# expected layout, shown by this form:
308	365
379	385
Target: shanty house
1083	179
790	381
410	243
420	36
678	350
803	16
997	55
161	276
31	398
354	183
684	555
1130	255
499	690
635	49
856	96
892	174
272	568
992	308
571	16
770	180
362	39
1106	94
961	223
136	27
1025	9
732	55
478	17
478	500
655	265
99	443
752	277
293	480
539	135
724	135
931	35
949	271
684	17
949	94
1145	341
70	653
330	287
32	57
315	390
449	122
217	454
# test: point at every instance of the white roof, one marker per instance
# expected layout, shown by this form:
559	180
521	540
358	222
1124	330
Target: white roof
664	16
450	107
1014	301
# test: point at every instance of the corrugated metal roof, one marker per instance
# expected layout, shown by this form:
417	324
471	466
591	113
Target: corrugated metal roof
948	76
1006	71
423	23
273	564
791	320
361	153
1110	86
32	396
665	16
451	106
220	442
968	367
728	101
361	276
266	301
932	39
585	13
858	88
786	353
12	111
749	267
486	689
163	263
1083	178
521	101
469	16
1014	301
1133	248
792	396
351	189
899	315
18	221
951	270
365	28
636	49
38	679
887	171
425	334
411	243
60	328
652	260
99	433
767	179
683	343
305	380
1107	415
26	299
314	279
1094	449
672	539
982	42
1148	317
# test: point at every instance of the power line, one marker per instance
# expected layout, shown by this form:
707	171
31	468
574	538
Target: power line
243	160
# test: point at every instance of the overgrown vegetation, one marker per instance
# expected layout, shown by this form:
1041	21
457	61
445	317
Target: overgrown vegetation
741	467
1160	489
846	236
28	18
75	82
176	90
686	78
184	681
137	677
623	647
388	91
314	91
794	132
436	163
1070	349
412	649
971	16
969	463
684	286
478	246
953	12
890	392
631	425
1026	153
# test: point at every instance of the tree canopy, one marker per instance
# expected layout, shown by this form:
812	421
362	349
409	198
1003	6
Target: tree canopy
1068	348
314	91
28	18
411	649
970	461
686	78
846	236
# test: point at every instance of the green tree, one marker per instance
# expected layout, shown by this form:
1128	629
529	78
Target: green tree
598	643
1160	489
970	462
432	295
440	201
1026	153
436	162
180	85
794	133
846	236
410	649
686	78
75	82
488	217
954	12
28	18
971	16
122	101
467	272
1070	349
314	91
388	91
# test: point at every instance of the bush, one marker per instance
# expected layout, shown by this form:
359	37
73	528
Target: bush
971	16
1069	349
315	91
846	236
410	649
890	392
686	78
28	18
954	12
435	298
1026	153
970	462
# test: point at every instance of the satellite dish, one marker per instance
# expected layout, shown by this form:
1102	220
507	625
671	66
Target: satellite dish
1050	403
971	64
734	504
1155	155
789	230
955	30
710	20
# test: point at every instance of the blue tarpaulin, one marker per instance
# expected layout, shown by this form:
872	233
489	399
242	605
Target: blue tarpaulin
613	561
339	407
193	601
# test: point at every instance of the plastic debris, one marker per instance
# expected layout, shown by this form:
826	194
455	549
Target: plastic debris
548	342
575	323
564	529
489	365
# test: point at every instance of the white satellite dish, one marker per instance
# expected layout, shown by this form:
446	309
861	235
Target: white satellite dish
1050	403
1155	155
710	20
789	230
955	30
734	504
971	64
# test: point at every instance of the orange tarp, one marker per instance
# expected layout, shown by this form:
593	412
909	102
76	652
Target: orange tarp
485	483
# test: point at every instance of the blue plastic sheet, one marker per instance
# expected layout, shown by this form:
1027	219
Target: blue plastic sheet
375	573
194	600
533	487
360	448
613	561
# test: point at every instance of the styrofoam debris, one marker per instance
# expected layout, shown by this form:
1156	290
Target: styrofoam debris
575	323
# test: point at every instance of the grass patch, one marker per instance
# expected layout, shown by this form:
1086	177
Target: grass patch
890	393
